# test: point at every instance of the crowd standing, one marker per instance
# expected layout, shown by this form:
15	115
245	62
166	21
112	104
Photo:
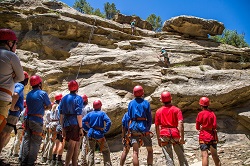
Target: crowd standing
37	121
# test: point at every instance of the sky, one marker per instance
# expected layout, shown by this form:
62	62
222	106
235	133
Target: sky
234	14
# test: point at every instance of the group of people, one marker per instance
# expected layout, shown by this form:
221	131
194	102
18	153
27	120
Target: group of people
69	118
136	124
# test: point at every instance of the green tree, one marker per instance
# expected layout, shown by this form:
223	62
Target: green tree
155	21
98	12
231	37
83	6
110	10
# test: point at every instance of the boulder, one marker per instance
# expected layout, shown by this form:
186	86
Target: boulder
193	26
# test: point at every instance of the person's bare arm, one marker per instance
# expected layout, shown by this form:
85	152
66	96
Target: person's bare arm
181	130
15	97
48	107
79	120
157	130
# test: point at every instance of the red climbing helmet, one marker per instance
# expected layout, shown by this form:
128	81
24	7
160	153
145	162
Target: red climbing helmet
35	80
26	75
138	91
58	96
73	85
204	101
7	34
166	97
85	98
97	104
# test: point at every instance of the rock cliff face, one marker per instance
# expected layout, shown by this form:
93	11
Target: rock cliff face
61	44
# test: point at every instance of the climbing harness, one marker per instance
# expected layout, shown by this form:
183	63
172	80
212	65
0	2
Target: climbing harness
100	142
14	127
215	141
208	142
138	134
6	91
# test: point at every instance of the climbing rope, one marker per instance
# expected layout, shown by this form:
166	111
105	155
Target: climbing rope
90	37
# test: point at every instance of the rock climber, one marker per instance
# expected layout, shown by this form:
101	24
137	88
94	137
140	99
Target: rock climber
139	112
170	130
206	125
97	123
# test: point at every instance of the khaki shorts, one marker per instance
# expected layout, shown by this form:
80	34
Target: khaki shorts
12	120
147	141
4	108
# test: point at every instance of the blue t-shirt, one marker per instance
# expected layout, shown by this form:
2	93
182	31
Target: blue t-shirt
19	90
70	106
94	120
125	120
36	100
139	108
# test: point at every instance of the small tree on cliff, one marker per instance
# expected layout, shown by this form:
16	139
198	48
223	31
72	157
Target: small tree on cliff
110	10
155	21
231	37
84	7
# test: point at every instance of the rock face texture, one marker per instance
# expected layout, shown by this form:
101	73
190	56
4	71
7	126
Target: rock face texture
193	26
122	19
61	44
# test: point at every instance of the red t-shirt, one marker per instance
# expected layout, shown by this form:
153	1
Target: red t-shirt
206	123
167	118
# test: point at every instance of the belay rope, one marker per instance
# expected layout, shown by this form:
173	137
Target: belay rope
90	37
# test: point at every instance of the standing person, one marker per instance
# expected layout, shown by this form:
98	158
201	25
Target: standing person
94	122
165	56
125	138
86	109
206	124
46	132
11	72
170	130
140	116
59	146
37	101
14	112
20	131
56	140
133	27
53	121
70	109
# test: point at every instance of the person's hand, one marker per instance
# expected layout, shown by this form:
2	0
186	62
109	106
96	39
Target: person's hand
182	141
81	133
123	140
159	142
14	108
63	133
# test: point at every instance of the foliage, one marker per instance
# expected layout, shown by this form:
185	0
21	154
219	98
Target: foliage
110	10
155	21
98	12
231	37
83	6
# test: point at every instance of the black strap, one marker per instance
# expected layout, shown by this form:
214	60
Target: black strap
14	126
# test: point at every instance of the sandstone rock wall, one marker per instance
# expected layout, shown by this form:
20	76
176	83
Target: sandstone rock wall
61	44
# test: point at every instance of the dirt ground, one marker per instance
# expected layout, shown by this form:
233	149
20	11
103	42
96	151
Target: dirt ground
233	150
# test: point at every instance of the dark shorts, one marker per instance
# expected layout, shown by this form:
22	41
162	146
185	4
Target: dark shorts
204	147
59	137
72	133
